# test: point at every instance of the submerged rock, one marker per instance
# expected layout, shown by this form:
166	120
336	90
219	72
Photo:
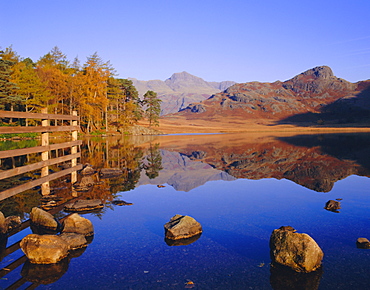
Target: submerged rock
78	224
44	249
84	205
110	172
298	251
87	170
182	227
332	205
43	219
85	184
12	222
75	241
363	243
121	202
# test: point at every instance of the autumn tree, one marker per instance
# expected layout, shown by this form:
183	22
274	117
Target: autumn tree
31	90
94	102
152	107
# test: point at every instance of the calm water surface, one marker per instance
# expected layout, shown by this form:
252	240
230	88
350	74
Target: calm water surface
240	189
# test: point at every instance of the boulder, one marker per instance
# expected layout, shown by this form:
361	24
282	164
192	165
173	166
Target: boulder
332	205
44	249
84	205
74	241
78	224
298	251
182	227
43	219
363	243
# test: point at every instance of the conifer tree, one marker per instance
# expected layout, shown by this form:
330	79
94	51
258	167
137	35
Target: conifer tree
153	107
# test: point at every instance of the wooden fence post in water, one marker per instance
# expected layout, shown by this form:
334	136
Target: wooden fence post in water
74	149
45	187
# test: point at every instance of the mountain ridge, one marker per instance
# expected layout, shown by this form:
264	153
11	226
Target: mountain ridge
314	95
179	90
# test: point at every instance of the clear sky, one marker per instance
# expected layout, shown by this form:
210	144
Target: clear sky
239	40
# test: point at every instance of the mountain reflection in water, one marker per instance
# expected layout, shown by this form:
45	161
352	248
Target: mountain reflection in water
237	186
313	161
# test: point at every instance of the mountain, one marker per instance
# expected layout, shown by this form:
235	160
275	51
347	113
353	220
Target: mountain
181	89
315	95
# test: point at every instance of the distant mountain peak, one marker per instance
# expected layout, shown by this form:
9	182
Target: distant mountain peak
180	90
323	72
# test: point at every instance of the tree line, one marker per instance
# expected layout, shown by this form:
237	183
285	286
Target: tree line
102	101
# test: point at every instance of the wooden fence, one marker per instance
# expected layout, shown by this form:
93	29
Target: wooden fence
45	150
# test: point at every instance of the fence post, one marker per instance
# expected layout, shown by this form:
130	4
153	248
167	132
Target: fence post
45	187
74	149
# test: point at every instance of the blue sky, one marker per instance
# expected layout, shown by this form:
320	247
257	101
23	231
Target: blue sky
239	40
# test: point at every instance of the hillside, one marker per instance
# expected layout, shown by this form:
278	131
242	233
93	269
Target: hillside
315	96
180	90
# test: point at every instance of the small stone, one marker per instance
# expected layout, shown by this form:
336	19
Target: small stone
13	222
84	205
110	172
87	170
332	205
121	202
363	243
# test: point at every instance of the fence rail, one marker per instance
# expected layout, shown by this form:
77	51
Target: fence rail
45	150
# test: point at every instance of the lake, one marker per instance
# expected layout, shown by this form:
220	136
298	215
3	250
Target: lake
239	187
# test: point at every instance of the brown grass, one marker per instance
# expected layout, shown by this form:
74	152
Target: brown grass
180	124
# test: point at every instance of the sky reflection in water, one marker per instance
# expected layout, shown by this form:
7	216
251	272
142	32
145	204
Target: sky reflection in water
237	216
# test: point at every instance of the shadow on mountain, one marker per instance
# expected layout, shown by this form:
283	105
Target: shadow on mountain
345	146
344	112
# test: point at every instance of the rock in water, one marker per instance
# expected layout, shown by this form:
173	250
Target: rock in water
84	205
13	222
74	241
87	170
3	225
332	205
44	249
78	224
43	219
110	172
182	227
363	243
297	251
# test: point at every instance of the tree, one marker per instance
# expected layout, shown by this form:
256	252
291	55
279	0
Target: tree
94	101
8	97
52	69
153	107
31	90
